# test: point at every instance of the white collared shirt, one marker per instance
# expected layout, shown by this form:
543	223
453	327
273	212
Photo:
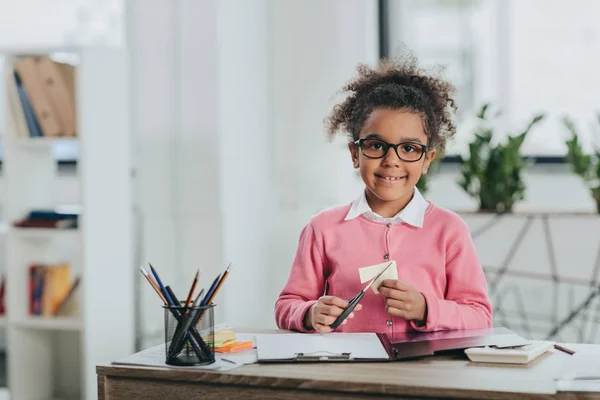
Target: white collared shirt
413	214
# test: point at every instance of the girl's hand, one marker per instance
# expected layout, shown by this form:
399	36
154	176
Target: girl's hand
404	301
325	311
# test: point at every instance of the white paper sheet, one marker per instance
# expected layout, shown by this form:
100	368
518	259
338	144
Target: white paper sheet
584	375
155	357
286	345
368	273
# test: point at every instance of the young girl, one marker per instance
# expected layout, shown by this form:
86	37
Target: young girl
397	118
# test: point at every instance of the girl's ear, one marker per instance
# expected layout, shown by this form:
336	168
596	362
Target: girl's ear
429	157
354	154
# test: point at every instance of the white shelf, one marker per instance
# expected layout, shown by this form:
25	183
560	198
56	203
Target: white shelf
34	50
42	233
2	321
98	253
49	323
39	142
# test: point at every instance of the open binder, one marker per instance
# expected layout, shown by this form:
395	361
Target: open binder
376	347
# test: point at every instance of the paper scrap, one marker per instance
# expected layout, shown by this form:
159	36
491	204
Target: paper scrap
155	357
368	273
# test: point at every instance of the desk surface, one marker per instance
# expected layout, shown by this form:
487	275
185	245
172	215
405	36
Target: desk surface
440	376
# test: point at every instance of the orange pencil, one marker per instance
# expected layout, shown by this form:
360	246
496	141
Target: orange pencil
191	293
214	293
156	289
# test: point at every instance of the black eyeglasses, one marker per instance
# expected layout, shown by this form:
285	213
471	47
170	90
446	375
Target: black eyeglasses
406	151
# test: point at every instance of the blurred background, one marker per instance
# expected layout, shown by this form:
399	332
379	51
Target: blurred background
189	134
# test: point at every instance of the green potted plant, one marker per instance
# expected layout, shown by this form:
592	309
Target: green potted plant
586	165
493	173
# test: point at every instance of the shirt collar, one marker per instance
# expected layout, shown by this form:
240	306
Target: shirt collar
413	214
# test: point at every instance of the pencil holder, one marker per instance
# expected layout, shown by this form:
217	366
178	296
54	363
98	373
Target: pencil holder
189	335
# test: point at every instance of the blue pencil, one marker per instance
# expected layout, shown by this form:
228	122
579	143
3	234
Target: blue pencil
210	291
162	287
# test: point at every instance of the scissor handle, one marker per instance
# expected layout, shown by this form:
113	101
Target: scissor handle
352	303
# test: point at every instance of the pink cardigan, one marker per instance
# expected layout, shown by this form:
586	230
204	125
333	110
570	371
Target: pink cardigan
438	259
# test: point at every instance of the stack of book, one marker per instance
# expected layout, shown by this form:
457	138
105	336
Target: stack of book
48	219
41	97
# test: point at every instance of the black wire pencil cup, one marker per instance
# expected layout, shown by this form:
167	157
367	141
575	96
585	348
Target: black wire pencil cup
189	335
189	327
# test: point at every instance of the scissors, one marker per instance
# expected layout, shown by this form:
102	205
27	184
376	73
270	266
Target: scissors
353	302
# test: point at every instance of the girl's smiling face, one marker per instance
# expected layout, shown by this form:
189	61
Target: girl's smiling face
389	180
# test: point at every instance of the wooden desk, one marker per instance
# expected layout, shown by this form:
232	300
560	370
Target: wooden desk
448	376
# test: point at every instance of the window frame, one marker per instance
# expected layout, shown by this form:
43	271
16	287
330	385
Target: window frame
384	46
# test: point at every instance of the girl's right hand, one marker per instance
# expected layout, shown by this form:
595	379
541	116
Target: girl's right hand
325	311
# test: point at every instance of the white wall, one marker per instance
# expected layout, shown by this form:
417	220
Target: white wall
25	23
228	101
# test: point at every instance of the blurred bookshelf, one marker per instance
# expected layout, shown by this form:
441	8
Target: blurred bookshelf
49	257
55	323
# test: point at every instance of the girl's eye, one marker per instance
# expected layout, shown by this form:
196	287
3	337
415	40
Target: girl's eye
375	146
407	148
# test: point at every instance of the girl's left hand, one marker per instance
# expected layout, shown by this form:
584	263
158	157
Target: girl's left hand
404	301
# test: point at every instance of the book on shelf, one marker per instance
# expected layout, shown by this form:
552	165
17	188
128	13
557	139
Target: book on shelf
41	97
51	290
48	219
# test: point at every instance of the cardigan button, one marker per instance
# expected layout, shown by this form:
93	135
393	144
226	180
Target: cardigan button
389	225
388	322
386	256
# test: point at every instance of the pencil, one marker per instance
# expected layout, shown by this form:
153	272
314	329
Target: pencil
161	287
563	349
191	293
214	293
156	289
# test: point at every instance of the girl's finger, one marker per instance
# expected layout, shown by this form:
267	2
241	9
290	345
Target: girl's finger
395	312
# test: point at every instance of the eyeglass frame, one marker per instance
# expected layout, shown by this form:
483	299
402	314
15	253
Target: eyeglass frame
358	143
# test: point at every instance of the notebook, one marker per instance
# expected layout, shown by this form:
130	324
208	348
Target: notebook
516	355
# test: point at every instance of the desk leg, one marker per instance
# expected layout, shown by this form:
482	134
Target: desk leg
101	387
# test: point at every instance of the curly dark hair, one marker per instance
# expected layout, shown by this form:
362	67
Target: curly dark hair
398	84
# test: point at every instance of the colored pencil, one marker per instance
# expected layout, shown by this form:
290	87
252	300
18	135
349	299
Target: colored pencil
161	286
563	349
188	301
156	289
214	292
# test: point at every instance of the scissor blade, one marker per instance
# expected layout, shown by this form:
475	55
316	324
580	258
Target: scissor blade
377	277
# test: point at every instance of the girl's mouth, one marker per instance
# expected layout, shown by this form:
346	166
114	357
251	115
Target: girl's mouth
390	179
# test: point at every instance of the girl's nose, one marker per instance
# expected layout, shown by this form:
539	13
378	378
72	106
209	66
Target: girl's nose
391	158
